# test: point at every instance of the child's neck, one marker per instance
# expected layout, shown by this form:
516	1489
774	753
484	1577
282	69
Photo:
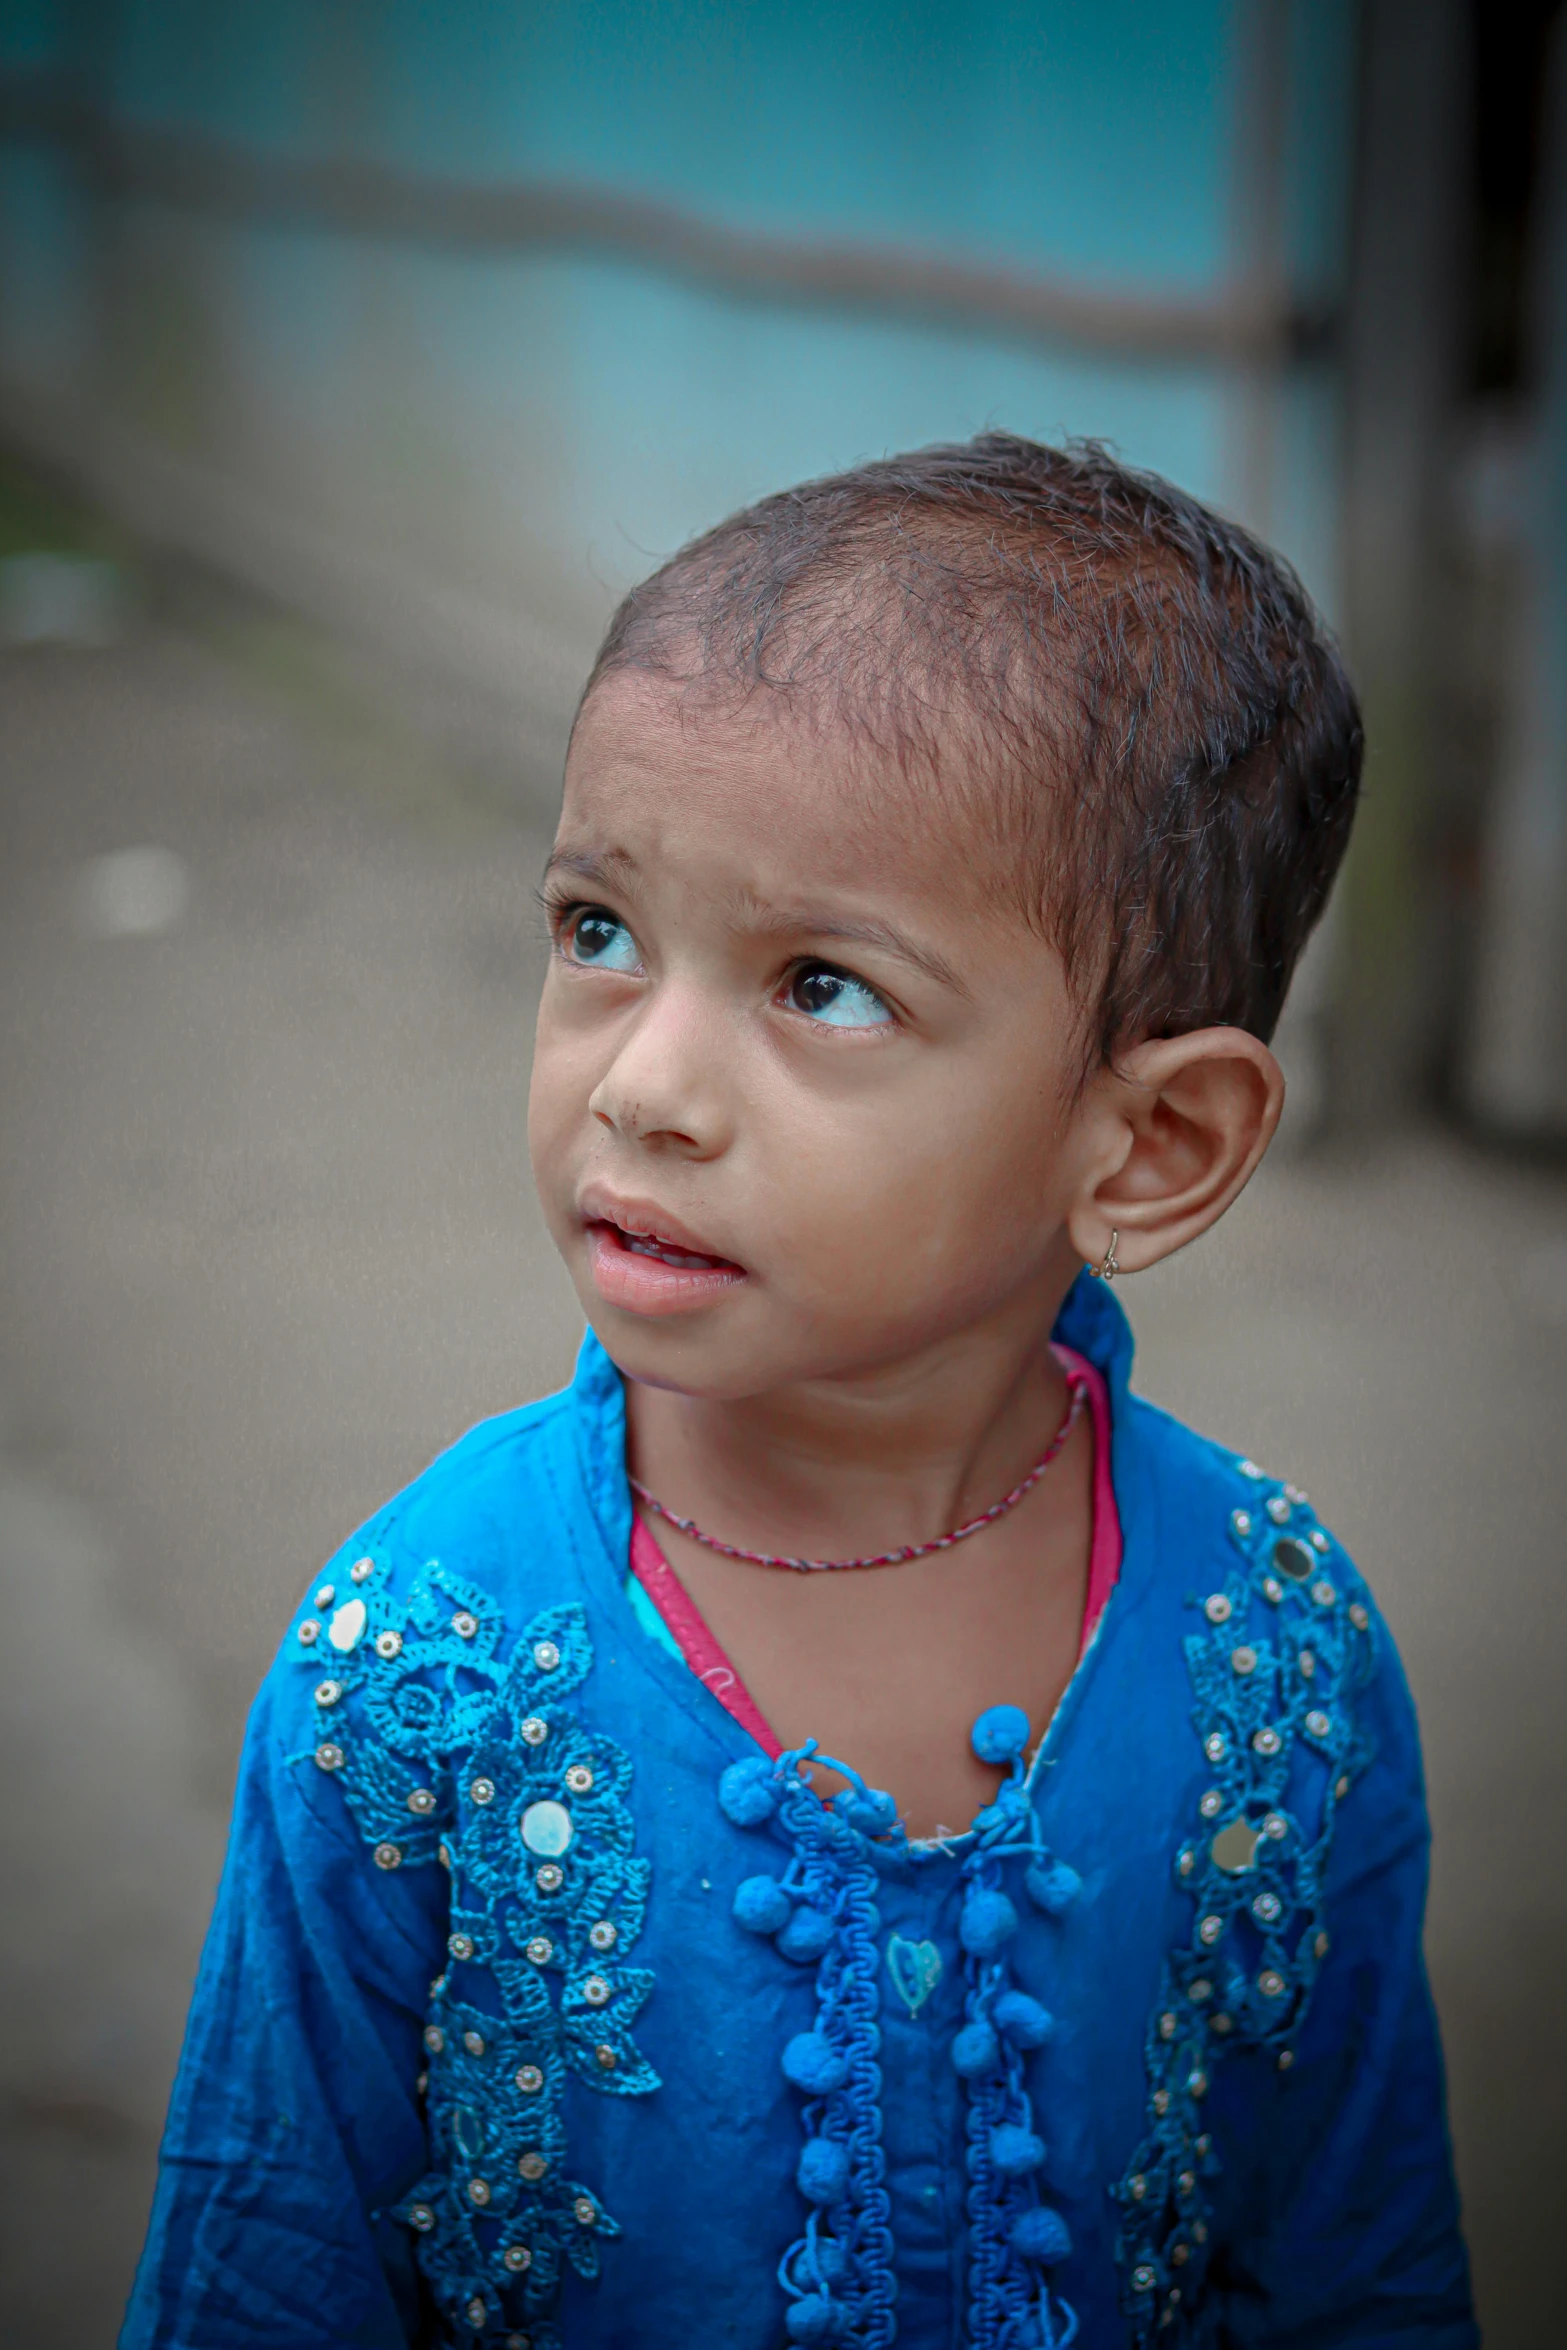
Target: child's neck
854	1465
887	1667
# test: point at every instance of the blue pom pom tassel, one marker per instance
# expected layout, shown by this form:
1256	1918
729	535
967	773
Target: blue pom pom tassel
812	2063
1025	2023
1042	2235
1014	2151
806	1935
975	2052
988	1922
761	1905
746	1793
1052	1886
823	2173
1000	1734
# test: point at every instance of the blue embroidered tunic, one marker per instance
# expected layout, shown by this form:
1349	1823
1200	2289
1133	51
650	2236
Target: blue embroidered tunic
540	2008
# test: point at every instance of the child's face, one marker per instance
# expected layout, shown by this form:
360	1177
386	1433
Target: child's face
800	1103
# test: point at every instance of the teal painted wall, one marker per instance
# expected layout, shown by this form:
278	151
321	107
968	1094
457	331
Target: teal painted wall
535	430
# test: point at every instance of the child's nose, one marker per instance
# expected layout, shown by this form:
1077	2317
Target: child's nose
664	1088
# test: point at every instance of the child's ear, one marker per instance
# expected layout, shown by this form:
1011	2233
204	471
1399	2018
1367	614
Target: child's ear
1176	1129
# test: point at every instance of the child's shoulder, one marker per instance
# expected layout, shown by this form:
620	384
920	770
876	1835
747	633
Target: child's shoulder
493	1530
1283	1642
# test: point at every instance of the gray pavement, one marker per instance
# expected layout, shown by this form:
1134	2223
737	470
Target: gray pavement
267	1242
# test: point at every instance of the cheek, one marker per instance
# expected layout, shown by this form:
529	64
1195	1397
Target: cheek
942	1188
563	1077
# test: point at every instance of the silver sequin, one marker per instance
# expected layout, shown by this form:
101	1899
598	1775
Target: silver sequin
1218	1609
535	1730
546	1655
388	1856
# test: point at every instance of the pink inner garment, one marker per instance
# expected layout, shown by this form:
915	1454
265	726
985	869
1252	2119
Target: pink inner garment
697	1644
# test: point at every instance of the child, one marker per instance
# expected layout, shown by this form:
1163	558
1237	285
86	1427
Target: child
847	1825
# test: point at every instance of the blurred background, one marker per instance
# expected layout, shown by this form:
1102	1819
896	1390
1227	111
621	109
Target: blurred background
354	358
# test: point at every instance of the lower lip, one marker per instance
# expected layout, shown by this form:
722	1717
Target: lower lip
646	1285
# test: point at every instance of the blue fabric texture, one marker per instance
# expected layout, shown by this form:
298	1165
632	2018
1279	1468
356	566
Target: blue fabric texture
541	2010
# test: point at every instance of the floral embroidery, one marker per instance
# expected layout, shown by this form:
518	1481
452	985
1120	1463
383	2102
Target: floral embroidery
838	2275
448	1752
1288	1645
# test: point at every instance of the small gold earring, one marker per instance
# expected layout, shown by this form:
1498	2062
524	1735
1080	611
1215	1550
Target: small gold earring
1109	1269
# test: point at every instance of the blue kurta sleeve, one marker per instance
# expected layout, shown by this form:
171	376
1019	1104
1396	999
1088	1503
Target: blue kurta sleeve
295	2120
1345	2231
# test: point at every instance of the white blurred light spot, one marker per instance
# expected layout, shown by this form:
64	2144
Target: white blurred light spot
60	600
132	893
1545	1282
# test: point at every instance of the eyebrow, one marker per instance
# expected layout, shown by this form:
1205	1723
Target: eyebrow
857	931
610	866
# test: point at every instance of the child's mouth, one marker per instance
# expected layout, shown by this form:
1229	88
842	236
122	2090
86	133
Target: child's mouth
644	1273
688	1260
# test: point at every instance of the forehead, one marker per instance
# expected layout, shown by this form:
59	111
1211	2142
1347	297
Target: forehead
790	795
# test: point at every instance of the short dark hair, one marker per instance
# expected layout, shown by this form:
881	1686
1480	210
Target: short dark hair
1160	724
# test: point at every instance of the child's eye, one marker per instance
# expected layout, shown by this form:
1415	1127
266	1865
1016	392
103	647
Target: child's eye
836	998
602	940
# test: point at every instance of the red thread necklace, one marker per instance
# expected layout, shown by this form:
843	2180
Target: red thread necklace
1077	1389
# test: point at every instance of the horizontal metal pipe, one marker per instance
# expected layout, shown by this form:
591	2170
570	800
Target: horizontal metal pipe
344	196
